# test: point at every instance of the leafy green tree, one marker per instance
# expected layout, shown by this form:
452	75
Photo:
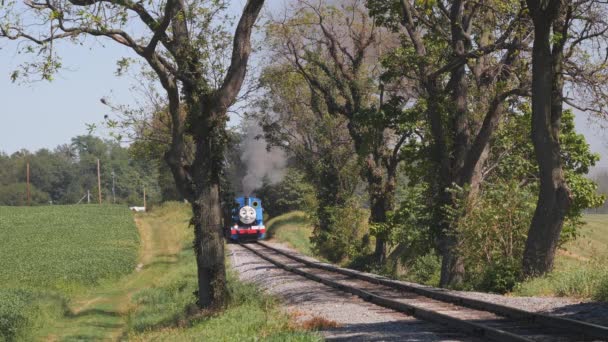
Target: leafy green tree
462	61
295	118
51	173
334	48
469	63
291	193
496	226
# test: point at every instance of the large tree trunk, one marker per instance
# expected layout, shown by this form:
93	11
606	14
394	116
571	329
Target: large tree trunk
380	197
452	264
209	247
554	196
207	210
378	215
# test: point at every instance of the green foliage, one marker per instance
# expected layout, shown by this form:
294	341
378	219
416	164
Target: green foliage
346	235
501	276
22	311
14	305
291	193
410	225
492	228
513	154
425	269
165	312
16	194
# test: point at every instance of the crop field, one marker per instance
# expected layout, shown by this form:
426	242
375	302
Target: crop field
59	246
48	253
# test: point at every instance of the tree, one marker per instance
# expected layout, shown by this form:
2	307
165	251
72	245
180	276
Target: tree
290	194
294	117
561	30
180	42
554	197
454	52
335	49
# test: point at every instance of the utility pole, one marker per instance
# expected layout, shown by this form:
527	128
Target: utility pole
99	181
28	182
145	206
88	196
113	191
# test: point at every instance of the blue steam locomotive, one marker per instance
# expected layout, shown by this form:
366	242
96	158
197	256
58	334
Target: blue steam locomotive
247	220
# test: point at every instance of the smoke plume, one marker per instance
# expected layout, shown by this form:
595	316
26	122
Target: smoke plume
260	162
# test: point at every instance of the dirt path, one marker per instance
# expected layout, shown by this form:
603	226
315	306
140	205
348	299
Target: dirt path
101	313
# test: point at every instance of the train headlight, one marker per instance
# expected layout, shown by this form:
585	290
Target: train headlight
247	214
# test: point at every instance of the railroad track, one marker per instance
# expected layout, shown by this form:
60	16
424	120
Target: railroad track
481	319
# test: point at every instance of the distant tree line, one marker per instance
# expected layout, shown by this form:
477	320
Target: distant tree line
65	174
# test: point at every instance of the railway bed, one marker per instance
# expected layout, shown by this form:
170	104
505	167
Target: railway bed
480	319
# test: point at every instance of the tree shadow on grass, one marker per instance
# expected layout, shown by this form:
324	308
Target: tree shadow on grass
91	312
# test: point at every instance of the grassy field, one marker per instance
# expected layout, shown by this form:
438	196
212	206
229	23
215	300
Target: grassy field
155	302
49	253
581	266
593	242
61	247
293	229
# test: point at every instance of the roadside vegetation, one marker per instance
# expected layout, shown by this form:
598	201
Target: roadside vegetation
167	310
118	288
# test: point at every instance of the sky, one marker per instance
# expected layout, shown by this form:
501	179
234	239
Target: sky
44	115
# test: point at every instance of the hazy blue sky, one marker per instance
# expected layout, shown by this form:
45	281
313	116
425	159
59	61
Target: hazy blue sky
45	114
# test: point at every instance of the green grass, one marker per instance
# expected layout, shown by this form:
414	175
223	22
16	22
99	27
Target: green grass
161	313
581	267
155	303
166	310
292	228
48	254
62	247
593	242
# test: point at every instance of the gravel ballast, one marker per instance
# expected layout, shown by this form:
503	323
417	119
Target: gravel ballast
356	319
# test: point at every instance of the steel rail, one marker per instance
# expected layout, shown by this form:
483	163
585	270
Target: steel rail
474	329
587	331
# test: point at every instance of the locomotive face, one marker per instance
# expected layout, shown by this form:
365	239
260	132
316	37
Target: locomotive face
247	215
